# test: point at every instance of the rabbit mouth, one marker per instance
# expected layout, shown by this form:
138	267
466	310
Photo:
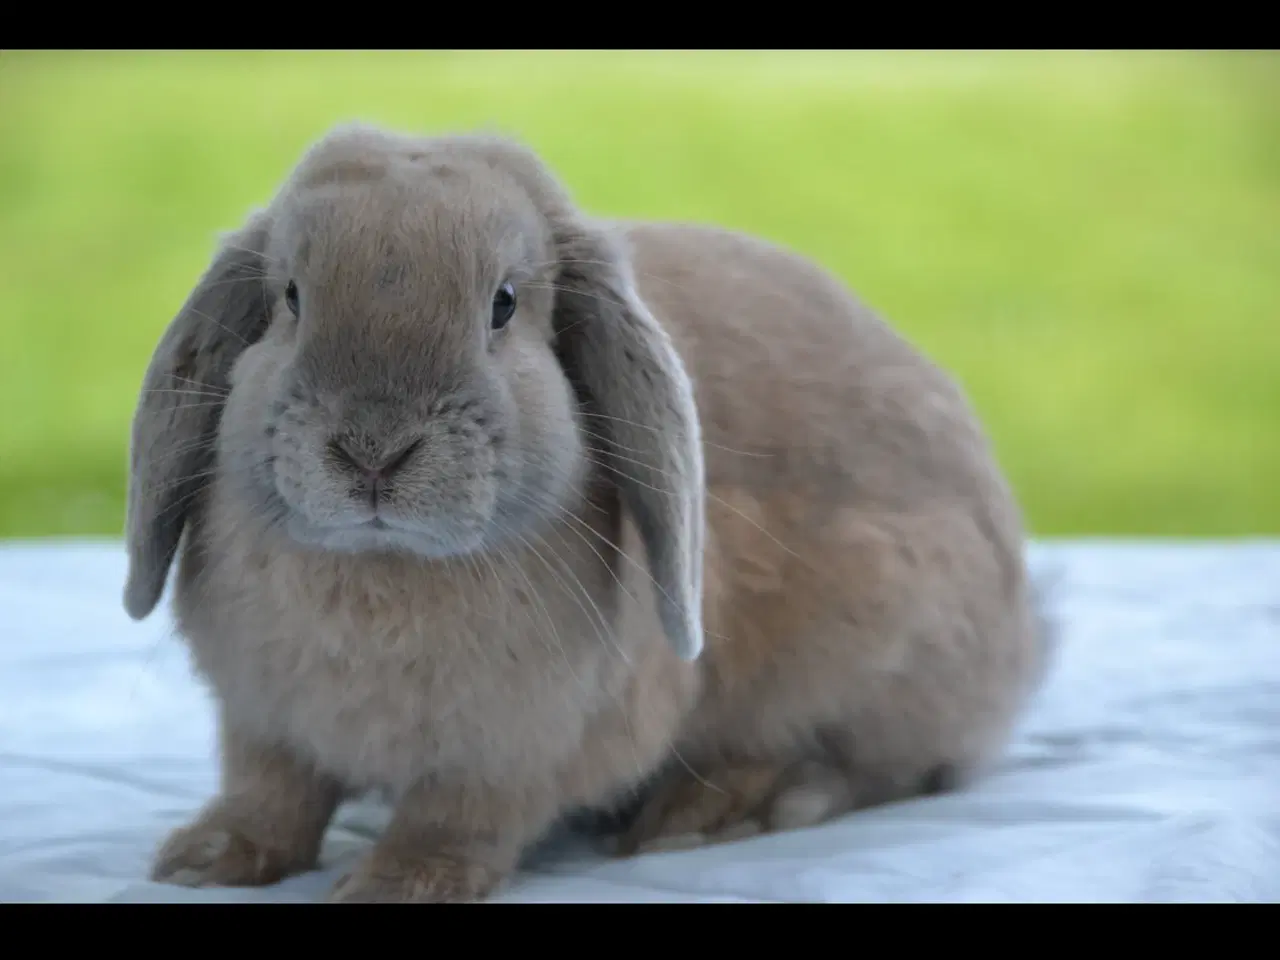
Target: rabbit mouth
377	534
376	524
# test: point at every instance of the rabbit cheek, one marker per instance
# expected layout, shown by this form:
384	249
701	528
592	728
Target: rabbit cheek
541	461
251	424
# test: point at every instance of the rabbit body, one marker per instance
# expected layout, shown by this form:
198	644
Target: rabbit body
843	540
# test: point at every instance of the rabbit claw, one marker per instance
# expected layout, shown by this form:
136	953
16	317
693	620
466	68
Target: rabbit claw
208	854
379	879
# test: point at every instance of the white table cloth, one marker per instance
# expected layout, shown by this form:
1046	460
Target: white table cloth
1147	770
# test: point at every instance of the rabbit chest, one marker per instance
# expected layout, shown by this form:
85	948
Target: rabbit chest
383	670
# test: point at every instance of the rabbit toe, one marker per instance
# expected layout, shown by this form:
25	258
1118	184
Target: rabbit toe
219	855
690	810
381	879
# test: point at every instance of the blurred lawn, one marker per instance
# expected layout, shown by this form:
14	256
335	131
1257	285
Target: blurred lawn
1090	242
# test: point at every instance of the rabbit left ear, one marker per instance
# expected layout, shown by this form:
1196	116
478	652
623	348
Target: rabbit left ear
176	419
636	382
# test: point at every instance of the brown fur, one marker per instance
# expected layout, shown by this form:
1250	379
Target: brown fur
682	433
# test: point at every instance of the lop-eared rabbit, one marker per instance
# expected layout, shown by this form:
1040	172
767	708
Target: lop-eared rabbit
516	514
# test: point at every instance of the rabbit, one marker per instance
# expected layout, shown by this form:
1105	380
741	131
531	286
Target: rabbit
516	515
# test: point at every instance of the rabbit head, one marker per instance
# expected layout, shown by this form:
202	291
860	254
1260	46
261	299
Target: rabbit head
396	355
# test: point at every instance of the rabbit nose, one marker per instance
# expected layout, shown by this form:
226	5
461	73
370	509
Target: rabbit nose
371	467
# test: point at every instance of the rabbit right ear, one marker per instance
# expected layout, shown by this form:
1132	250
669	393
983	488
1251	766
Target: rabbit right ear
176	421
637	384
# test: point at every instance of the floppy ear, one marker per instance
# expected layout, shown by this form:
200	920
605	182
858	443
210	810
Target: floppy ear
613	348
171	453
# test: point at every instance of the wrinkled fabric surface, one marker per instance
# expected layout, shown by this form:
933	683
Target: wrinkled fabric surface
1148	769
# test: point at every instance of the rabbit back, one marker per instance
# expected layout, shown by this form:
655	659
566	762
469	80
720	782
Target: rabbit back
869	620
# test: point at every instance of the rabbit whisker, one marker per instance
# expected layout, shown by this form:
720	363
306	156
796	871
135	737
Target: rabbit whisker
252	252
187	392
566	514
174	378
724	503
218	323
555	641
644	426
601	631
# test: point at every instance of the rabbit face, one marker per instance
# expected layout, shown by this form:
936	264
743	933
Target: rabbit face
406	395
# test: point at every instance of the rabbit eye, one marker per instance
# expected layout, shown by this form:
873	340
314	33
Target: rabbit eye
291	297
504	305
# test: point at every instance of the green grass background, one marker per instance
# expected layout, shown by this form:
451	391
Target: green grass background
1090	242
